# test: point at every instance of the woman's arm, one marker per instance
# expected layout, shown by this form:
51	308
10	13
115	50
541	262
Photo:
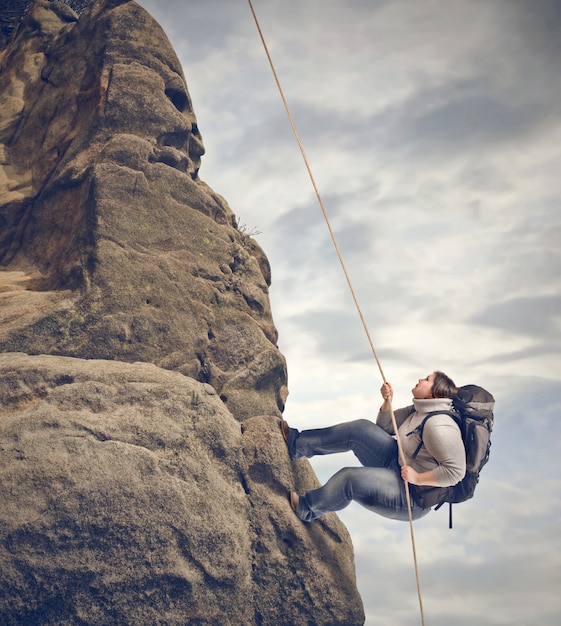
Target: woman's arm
384	419
443	442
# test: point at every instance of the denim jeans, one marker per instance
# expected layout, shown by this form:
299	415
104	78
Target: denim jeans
377	485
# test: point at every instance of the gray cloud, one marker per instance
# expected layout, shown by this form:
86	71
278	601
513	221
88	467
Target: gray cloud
335	333
539	24
200	24
467	122
537	316
549	348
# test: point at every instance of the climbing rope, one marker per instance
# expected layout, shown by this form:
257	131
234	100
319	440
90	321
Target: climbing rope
351	288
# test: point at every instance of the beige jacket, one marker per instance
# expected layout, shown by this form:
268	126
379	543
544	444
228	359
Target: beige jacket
442	450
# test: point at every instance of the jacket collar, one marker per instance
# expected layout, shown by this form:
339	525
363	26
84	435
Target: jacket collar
432	404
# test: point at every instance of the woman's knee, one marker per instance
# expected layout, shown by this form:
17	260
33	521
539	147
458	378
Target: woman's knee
347	480
363	427
363	423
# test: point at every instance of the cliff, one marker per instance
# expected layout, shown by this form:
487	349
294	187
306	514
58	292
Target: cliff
142	472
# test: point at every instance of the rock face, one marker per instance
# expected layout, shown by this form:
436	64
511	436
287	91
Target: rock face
115	248
131	495
143	476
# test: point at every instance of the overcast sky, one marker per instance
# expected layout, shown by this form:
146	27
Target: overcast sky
433	129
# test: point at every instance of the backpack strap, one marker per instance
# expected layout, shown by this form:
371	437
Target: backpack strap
449	511
455	416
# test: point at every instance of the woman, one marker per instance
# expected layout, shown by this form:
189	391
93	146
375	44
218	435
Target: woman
379	484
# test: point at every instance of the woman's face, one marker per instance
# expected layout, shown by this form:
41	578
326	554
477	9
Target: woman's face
423	389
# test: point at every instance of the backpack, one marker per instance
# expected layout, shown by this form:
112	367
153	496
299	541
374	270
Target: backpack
473	412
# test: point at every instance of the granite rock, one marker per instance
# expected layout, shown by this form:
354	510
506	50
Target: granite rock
110	244
143	475
131	495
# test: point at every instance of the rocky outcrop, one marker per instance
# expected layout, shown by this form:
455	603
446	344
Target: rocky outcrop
112	245
143	476
131	495
12	12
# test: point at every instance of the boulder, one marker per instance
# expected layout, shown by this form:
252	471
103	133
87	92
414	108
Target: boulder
131	495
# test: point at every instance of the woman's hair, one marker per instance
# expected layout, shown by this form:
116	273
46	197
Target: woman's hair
443	387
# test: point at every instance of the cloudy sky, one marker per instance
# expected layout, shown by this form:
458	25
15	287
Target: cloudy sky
433	130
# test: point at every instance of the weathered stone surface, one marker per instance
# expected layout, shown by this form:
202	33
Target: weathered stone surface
101	203
131	495
12	12
143	476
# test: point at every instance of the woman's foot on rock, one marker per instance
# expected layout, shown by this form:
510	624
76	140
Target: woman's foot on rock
294	499
285	429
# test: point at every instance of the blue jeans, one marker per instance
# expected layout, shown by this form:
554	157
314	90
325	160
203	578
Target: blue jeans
377	485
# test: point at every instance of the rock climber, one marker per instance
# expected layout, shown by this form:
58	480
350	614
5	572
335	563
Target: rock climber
379	484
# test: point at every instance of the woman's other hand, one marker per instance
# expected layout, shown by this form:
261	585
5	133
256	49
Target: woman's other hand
426	479
409	475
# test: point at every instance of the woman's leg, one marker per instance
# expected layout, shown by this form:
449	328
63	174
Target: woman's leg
372	445
378	489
